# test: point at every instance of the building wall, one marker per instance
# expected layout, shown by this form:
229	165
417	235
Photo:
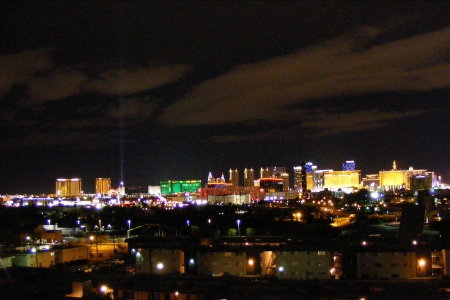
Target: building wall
64	255
386	264
220	263
303	265
339	179
147	261
42	259
6	262
233	199
393	179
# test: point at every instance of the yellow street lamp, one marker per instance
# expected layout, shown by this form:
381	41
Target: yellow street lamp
422	263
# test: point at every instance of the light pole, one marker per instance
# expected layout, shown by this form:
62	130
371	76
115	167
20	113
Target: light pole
209	227
238	223
129	224
91	238
187	222
281	270
422	264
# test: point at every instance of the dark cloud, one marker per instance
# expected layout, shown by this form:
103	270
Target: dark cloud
262	90
166	90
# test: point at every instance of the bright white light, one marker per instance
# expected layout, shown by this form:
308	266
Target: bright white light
281	269
374	195
159	266
103	288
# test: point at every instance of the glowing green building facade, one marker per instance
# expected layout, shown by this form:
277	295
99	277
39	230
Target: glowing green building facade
180	186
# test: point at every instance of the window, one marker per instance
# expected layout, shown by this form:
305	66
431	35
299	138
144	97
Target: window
378	265
308	263
395	275
405	264
320	252
227	264
238	264
322	273
294	263
308	252
394	264
320	263
227	253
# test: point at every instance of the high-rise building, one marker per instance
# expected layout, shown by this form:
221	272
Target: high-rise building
344	180
234	177
264	173
180	186
349	165
301	174
68	187
249	177
276	172
102	186
410	179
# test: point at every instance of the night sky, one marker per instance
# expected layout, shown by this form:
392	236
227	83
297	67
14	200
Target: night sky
151	91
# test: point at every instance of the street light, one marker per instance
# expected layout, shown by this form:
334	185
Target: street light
129	224
238	223
422	264
187	222
91	238
209	227
281	270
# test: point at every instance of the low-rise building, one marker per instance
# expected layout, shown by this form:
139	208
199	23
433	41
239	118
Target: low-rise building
298	264
159	261
66	254
219	263
383	264
39	259
6	260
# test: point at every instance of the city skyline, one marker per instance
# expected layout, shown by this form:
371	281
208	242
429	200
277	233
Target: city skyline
142	92
93	183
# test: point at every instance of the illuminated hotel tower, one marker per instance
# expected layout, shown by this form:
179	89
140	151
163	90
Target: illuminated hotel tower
234	177
264	173
68	187
102	186
249	177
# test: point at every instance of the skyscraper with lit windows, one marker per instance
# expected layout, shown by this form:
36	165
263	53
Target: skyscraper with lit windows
249	177
68	187
234	177
102	186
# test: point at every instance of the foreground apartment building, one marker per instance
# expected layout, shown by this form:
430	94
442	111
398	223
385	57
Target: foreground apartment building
286	259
